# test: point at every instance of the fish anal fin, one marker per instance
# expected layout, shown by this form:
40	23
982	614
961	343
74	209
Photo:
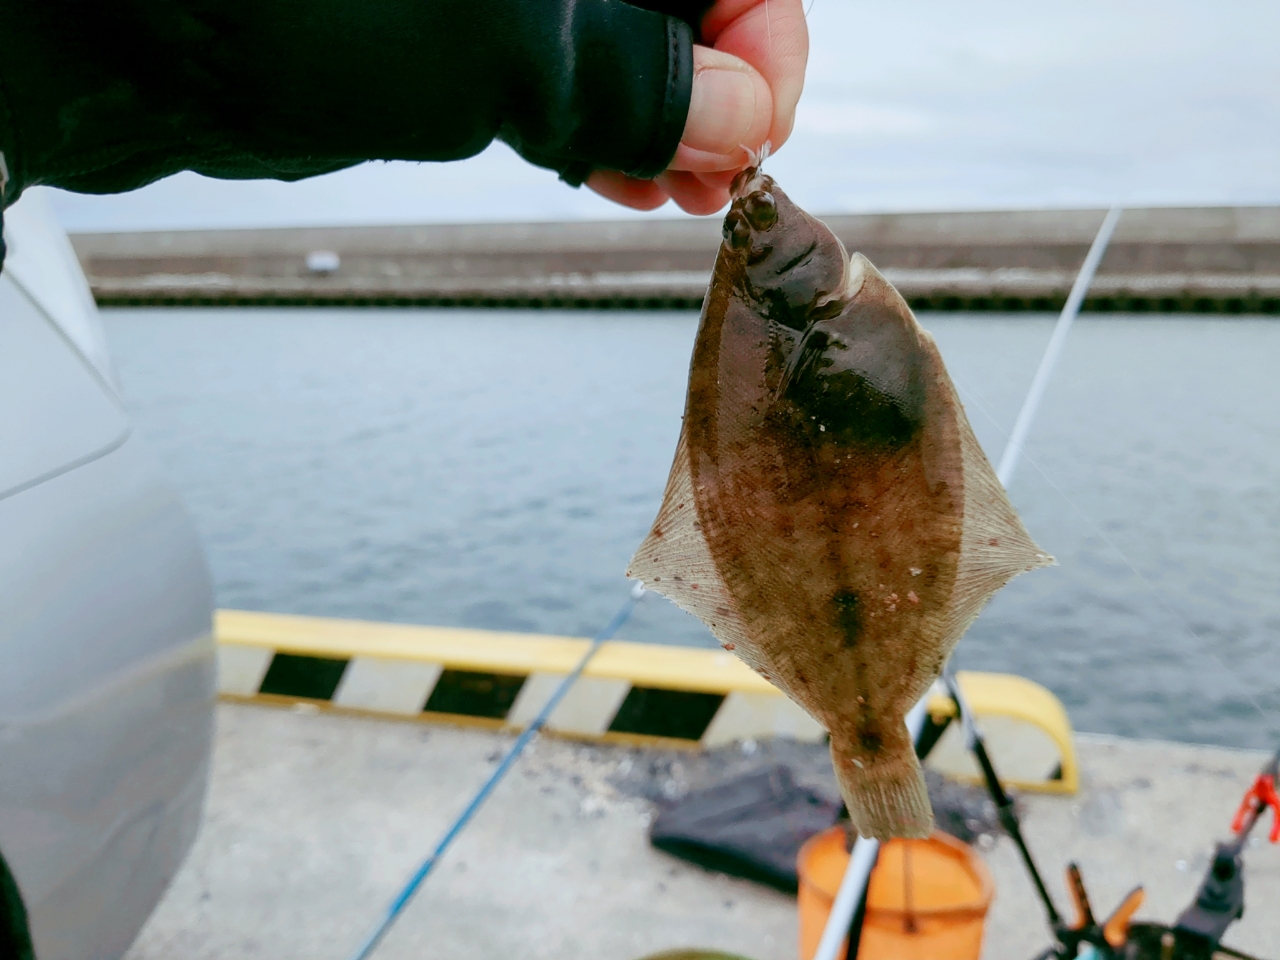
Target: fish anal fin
674	560
885	793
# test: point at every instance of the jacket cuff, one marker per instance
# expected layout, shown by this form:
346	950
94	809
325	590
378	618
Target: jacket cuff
675	104
631	87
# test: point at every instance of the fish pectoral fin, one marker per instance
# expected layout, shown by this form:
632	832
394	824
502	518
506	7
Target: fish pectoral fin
804	357
674	560
884	791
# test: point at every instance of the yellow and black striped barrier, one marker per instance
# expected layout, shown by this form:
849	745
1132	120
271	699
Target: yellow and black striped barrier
630	692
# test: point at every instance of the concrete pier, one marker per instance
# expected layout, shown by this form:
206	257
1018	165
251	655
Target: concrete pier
314	820
1224	259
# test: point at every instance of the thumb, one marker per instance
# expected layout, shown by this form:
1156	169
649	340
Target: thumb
730	112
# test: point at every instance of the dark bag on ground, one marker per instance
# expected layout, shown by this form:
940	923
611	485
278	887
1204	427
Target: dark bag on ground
752	826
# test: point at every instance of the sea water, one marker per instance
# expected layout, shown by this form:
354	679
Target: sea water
496	469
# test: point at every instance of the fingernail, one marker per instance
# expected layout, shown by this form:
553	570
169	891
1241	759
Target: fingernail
722	110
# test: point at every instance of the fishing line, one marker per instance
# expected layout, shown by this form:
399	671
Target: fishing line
446	840
1201	641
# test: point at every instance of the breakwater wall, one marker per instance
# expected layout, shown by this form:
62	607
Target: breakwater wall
1205	260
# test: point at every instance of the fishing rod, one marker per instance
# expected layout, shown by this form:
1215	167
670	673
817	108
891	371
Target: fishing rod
1105	938
401	900
845	918
844	922
1004	803
1053	350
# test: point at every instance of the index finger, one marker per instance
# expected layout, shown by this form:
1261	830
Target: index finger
772	36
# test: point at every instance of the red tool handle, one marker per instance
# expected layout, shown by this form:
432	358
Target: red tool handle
1261	796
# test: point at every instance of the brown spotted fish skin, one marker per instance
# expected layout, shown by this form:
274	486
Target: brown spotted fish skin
829	514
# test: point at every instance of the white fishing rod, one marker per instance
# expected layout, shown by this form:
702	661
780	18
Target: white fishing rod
857	875
1040	382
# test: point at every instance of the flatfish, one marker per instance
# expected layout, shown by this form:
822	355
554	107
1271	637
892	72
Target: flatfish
829	515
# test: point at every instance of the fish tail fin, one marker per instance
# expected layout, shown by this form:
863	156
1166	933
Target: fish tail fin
884	790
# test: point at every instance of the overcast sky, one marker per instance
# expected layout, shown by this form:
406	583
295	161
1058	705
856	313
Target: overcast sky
910	105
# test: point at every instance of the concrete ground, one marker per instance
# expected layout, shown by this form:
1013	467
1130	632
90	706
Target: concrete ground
314	820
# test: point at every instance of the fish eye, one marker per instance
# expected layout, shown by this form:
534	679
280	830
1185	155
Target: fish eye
761	209
736	229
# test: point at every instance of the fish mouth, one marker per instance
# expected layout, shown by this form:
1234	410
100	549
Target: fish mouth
747	182
752	178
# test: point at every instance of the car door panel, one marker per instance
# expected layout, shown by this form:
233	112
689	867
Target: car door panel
55	411
107	657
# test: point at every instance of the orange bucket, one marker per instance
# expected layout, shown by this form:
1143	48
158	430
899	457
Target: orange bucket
927	899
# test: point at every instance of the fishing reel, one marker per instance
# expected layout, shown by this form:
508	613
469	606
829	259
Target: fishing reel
1195	936
1197	933
1085	937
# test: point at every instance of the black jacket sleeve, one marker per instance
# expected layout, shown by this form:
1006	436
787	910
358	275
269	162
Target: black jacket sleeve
102	97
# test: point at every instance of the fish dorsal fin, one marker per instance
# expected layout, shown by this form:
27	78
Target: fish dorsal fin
994	545
674	560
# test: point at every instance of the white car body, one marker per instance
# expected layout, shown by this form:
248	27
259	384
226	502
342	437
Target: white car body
107	658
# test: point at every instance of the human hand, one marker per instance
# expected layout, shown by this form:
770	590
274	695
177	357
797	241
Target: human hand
745	90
